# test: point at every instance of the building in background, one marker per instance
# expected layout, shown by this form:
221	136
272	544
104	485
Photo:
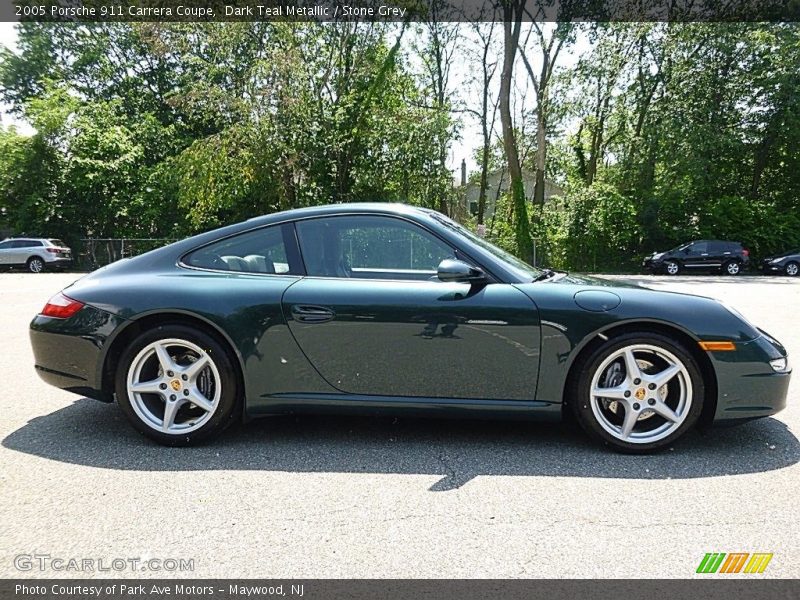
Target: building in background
497	185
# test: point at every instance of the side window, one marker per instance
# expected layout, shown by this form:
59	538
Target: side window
5	245
698	248
717	247
259	251
367	247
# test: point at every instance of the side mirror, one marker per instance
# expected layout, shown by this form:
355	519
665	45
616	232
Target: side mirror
451	269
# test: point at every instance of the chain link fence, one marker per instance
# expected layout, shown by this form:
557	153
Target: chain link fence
98	252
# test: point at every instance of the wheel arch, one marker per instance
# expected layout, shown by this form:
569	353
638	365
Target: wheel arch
688	340
152	319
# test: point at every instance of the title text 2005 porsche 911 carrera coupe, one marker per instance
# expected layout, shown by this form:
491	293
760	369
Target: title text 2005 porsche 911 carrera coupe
380	307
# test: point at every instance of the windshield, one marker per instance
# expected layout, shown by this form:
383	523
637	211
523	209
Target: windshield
681	247
524	269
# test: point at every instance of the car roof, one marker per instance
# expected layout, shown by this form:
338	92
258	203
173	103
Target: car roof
343	208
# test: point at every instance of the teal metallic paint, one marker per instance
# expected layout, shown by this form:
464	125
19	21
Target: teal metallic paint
420	338
505	347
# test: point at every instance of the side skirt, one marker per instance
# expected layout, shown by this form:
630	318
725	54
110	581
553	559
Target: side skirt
402	406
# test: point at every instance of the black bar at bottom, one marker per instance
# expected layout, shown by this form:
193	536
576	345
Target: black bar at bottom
711	588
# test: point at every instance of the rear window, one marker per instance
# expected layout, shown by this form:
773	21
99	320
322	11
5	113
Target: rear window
58	243
259	251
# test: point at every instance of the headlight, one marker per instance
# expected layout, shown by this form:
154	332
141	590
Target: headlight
777	260
780	365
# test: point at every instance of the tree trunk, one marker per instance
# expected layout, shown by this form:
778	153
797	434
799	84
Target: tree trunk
512	23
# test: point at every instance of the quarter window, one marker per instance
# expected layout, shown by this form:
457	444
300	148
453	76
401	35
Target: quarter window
367	247
260	251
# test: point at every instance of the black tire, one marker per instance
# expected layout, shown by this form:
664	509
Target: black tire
579	395
732	267
35	264
791	269
227	411
672	267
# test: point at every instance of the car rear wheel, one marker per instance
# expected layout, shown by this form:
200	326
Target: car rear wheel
638	392
791	269
671	267
177	385
732	267
35	264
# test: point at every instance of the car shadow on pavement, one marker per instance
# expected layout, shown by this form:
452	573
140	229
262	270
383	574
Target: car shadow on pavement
93	434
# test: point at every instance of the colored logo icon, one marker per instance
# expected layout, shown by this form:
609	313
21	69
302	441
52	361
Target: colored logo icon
734	562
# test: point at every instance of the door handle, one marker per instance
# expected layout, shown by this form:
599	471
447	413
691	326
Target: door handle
307	313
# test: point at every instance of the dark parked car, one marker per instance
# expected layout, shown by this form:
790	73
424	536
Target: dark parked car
391	308
787	263
701	255
35	254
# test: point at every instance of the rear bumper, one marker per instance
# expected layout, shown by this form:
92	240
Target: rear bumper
69	353
748	387
58	263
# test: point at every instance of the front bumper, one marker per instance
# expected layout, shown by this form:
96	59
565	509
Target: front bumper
768	267
651	266
69	353
747	386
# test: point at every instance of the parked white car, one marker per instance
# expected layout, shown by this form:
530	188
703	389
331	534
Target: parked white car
35	254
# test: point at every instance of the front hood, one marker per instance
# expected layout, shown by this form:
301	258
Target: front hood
589	280
700	316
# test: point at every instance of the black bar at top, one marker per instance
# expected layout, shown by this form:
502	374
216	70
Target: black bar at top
398	10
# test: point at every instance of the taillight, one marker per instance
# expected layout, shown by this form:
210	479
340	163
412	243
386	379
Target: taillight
53	250
746	252
61	307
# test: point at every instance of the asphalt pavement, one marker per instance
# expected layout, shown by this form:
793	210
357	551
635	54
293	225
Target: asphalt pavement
346	497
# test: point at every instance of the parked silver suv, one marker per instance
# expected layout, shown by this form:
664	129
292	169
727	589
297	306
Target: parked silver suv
35	254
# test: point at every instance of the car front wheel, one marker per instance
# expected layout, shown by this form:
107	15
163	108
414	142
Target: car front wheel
672	268
638	392
791	269
177	385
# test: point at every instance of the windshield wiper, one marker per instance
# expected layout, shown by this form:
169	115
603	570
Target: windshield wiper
545	274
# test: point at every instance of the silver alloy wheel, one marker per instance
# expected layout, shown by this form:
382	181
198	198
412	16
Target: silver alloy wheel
672	268
791	269
36	265
174	386
650	394
732	268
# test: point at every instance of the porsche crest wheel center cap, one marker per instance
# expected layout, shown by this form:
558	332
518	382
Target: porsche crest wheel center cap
176	385
640	394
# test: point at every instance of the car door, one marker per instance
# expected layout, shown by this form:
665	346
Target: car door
5	251
18	253
373	318
696	256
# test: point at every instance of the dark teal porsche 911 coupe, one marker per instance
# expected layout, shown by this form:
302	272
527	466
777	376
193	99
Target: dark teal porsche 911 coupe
392	308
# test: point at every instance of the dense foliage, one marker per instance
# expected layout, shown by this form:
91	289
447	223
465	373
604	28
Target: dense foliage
659	133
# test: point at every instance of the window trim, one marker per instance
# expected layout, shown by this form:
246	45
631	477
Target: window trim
458	252
292	221
290	252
